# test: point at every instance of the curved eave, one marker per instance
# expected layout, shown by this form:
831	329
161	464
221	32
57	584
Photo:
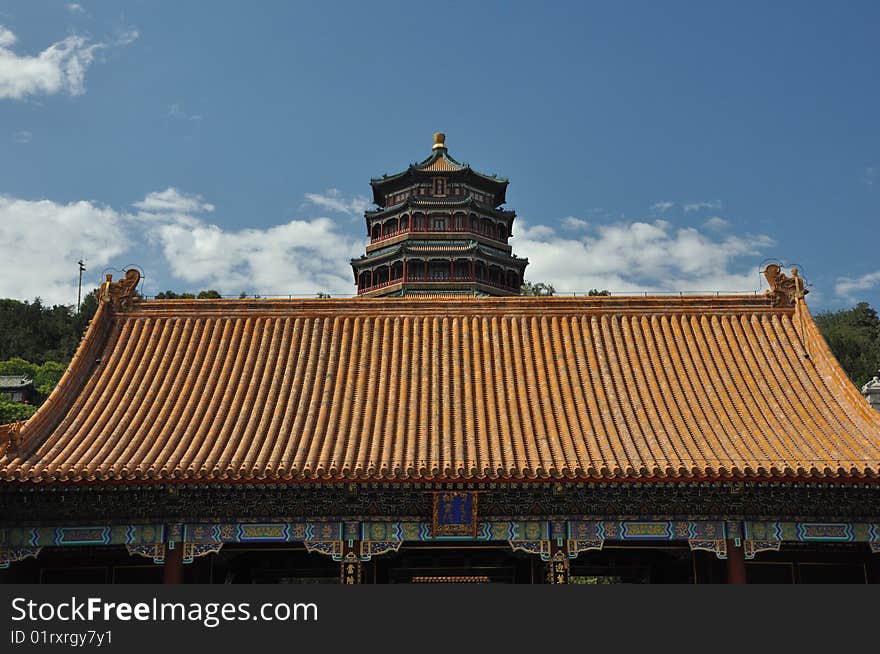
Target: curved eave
87	357
416	202
382	186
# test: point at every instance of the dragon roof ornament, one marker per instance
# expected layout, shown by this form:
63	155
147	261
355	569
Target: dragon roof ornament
118	294
11	438
785	290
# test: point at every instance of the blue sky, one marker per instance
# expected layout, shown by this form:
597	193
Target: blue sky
650	146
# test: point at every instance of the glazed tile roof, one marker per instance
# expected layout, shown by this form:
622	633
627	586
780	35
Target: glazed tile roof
456	388
441	163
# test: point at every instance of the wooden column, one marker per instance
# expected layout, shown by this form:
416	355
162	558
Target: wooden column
172	571
874	569
736	563
404	270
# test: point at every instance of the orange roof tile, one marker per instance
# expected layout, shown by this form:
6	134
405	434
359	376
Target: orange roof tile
456	388
443	164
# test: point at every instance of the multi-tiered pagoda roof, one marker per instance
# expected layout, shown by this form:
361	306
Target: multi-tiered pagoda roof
439	229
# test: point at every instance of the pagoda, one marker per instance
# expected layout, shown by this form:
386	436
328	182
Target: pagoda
439	230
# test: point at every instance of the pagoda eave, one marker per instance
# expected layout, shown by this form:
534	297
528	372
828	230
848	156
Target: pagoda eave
415	237
384	186
427	203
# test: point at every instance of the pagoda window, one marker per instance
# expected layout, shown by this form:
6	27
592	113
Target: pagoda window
502	232
486	226
458	222
438	270
438	224
404	223
439	186
381	276
419	222
376	233
474	223
390	228
415	269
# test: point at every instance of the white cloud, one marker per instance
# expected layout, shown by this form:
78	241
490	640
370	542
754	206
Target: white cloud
22	136
75	8
848	287
173	201
333	200
570	222
663	206
175	112
42	241
60	67
698	206
640	256
871	176
716	223
297	257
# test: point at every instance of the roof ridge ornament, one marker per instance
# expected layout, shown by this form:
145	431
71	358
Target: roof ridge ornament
439	141
11	438
118	294
784	290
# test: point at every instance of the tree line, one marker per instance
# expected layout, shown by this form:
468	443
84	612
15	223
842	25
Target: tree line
38	340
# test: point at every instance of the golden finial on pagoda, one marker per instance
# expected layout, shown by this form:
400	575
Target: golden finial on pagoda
439	141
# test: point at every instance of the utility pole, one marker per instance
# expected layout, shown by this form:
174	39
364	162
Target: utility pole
82	269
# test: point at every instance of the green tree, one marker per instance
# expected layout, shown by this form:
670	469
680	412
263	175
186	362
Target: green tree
14	411
854	337
38	333
594	292
210	294
537	288
171	295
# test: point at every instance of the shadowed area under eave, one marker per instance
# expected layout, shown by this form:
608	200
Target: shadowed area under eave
519	388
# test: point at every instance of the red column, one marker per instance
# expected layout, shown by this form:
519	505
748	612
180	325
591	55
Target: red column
736	563
404	270
371	279
172	571
473	275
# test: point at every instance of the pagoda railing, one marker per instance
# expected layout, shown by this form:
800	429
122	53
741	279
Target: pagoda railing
427	229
